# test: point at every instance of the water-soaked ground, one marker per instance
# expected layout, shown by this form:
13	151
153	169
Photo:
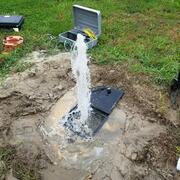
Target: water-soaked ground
135	142
112	151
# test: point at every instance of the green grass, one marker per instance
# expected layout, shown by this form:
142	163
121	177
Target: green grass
20	168
143	33
178	151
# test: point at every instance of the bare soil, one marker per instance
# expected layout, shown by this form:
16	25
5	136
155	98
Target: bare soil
143	145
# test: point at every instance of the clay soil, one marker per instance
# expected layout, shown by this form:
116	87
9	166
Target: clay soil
151	135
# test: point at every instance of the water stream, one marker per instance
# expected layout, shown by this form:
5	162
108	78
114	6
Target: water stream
79	64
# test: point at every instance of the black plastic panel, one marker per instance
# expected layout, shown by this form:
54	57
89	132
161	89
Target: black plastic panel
11	21
104	98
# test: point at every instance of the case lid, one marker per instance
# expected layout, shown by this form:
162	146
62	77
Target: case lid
87	18
11	21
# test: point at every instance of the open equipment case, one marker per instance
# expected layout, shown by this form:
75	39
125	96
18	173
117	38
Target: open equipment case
83	17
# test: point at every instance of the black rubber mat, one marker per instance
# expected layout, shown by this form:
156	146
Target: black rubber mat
103	100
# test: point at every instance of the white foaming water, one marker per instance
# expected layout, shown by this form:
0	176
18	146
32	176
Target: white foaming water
81	72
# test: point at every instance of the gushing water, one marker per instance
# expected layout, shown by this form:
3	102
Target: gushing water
79	64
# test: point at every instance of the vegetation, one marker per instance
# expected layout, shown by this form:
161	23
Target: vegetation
178	151
143	33
10	161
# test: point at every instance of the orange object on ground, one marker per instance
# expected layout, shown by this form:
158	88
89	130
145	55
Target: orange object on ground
11	42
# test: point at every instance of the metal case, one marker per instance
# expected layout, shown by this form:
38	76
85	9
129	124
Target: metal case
83	17
11	21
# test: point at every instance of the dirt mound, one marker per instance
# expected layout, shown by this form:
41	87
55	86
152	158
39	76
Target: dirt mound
152	100
27	98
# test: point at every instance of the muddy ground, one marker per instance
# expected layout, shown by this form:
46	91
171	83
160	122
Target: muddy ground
142	144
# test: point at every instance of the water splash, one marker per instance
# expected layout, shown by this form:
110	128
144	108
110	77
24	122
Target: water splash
79	64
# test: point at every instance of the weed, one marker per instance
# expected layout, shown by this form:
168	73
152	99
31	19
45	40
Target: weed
20	169
143	33
178	150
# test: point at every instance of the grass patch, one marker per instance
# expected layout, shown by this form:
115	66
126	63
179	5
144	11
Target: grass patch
143	33
177	136
20	167
178	151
